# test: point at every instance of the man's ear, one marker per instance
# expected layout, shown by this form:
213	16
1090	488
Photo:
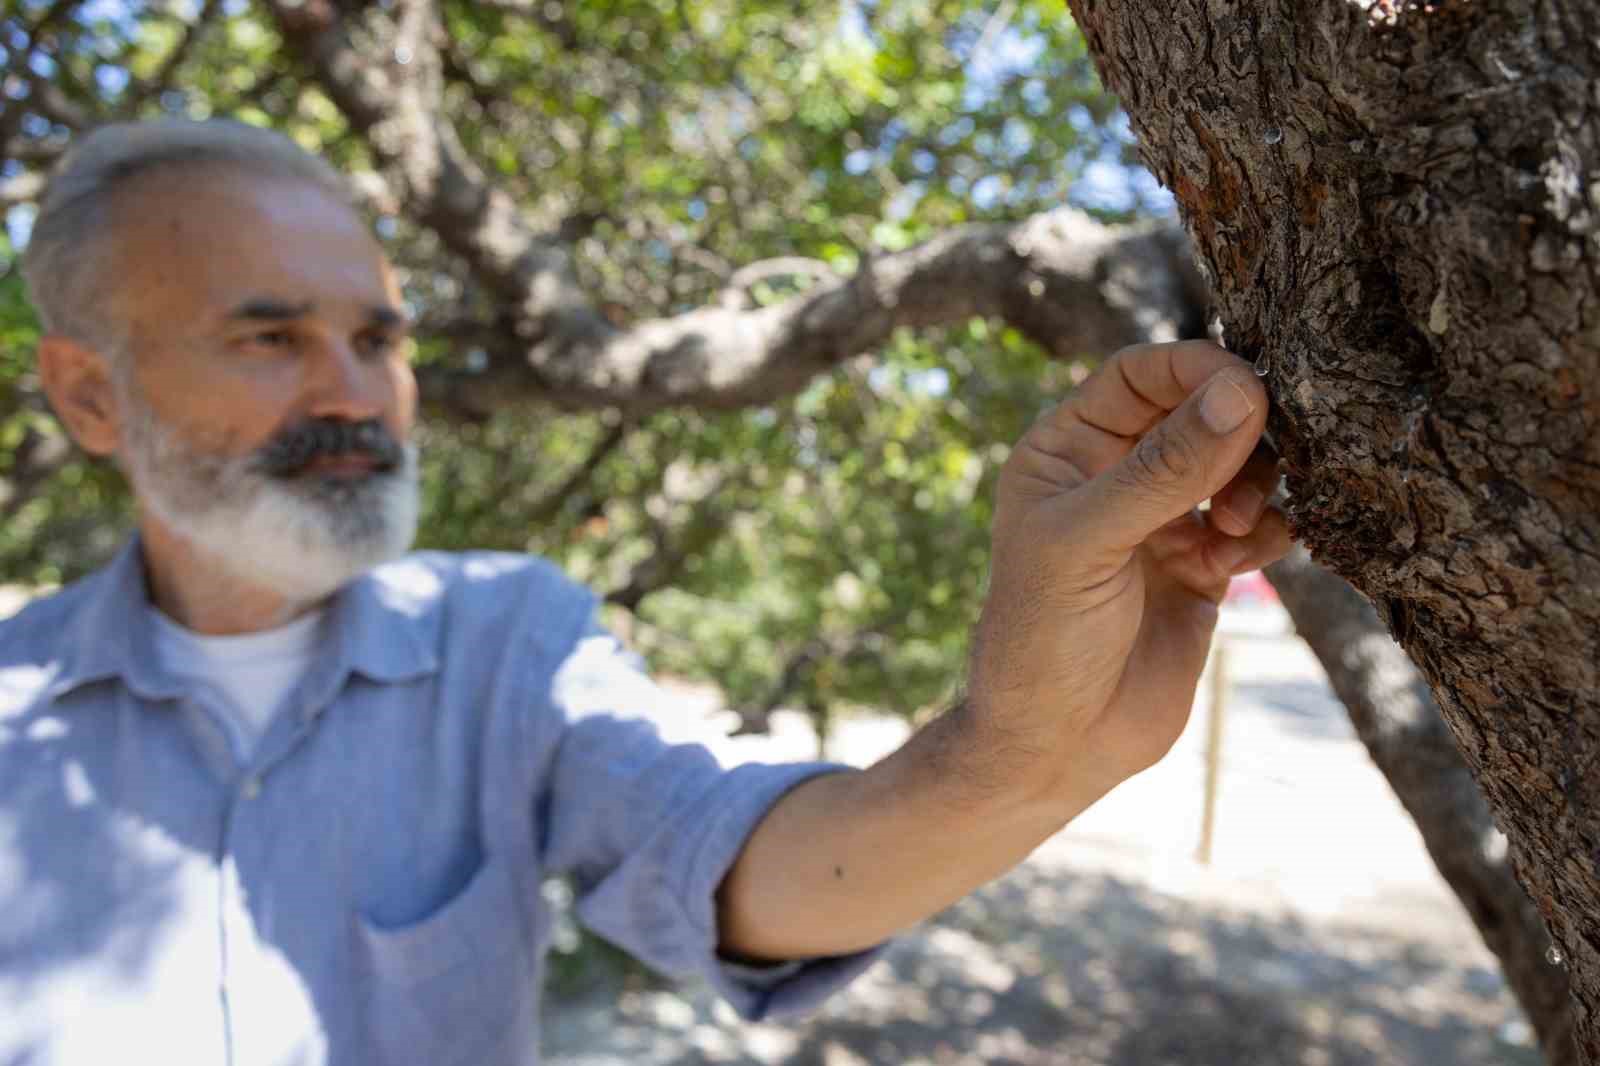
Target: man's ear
78	381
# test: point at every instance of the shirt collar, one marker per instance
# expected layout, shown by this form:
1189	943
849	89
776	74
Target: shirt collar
382	626
384	623
108	637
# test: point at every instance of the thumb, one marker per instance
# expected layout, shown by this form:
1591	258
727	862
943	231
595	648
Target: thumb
1188	457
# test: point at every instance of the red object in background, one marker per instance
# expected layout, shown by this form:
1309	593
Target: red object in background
1251	587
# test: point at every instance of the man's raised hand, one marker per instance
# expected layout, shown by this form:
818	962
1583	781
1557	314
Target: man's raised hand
1106	577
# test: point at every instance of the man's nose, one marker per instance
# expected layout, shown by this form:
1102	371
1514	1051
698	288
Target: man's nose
345	386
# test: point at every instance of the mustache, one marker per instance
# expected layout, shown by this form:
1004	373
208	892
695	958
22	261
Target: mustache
297	447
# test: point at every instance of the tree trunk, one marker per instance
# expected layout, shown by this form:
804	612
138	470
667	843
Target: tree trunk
1395	200
1397	719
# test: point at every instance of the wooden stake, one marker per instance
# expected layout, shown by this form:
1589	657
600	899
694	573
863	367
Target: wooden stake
1214	722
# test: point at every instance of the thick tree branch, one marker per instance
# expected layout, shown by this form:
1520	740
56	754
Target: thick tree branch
1397	719
394	105
1072	284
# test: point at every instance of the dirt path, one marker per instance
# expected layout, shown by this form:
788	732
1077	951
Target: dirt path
1318	936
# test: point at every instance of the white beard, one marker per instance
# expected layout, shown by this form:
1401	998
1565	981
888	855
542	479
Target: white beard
303	538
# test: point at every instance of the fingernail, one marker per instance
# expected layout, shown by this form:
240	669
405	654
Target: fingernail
1225	406
1229	555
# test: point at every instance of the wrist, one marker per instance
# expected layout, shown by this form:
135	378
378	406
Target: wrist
991	765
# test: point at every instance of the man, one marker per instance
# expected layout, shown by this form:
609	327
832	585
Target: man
273	791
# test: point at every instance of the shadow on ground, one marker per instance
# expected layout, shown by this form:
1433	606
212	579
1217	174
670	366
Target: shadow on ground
1044	967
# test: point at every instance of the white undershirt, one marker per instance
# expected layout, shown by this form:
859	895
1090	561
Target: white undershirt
253	672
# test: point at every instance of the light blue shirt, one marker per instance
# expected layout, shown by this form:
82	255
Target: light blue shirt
366	889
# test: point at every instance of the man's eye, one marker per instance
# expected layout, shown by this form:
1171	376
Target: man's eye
274	338
376	343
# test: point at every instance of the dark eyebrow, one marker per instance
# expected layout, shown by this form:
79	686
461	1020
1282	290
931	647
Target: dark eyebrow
269	310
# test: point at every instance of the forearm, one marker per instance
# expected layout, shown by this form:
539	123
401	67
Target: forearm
847	860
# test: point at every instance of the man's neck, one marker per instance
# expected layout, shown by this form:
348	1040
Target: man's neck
193	589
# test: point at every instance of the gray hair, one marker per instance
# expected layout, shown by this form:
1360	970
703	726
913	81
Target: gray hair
63	264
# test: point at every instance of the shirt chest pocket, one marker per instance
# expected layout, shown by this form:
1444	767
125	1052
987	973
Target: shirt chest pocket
457	986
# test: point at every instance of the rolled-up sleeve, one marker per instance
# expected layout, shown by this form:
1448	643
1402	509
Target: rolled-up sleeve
649	828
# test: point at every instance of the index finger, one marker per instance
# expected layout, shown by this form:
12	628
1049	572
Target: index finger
1139	386
1096	427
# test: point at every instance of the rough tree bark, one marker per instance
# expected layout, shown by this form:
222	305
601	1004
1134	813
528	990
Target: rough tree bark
1398	720
1399	203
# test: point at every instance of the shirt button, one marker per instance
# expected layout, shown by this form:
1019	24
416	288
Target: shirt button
252	788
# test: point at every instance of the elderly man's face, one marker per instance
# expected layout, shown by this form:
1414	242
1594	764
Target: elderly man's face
266	396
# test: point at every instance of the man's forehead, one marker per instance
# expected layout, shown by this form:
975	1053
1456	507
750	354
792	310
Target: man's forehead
222	237
228	186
